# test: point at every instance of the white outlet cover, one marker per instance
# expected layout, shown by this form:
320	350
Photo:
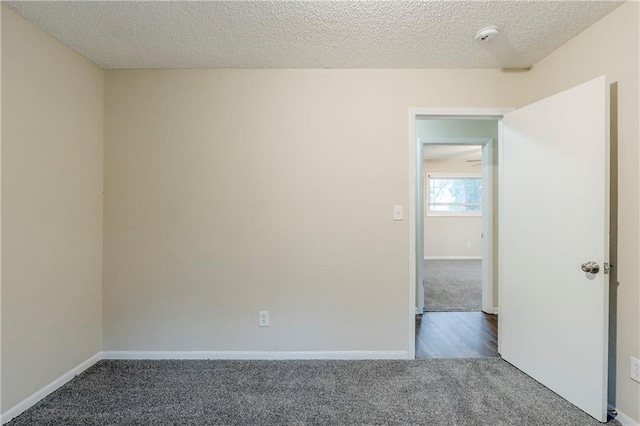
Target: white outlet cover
634	370
263	318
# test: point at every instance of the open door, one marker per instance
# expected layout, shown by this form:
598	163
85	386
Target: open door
554	243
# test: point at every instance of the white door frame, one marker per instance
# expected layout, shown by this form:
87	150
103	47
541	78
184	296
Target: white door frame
415	147
487	217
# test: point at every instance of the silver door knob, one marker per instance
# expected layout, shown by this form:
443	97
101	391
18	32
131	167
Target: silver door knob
591	267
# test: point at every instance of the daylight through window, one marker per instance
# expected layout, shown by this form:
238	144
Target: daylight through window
454	195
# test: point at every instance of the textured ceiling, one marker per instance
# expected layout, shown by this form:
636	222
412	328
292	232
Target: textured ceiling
312	34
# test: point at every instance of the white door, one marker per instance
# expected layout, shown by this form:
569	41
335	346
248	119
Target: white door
554	217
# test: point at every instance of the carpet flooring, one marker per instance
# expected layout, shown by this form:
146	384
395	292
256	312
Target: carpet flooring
468	392
452	285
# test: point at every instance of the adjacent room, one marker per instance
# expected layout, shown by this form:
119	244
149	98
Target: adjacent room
242	212
453	228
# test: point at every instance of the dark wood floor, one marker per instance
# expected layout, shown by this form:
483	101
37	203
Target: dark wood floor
456	335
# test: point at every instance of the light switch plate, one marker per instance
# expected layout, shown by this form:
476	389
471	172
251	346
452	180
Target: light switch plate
398	213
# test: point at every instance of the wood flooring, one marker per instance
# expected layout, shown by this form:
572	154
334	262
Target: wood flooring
456	335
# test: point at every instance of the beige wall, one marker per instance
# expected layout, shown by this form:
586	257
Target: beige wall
446	236
51	209
610	47
233	191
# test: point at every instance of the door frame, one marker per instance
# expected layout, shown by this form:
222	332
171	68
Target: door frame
487	217
415	148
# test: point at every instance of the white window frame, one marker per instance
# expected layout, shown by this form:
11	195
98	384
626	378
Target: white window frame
427	192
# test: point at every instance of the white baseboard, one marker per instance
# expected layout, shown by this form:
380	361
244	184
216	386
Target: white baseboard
625	420
30	401
496	310
453	258
256	355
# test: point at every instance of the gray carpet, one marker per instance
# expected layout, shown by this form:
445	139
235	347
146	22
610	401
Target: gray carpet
452	285
469	392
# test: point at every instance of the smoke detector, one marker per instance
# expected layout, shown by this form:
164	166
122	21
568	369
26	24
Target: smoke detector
487	33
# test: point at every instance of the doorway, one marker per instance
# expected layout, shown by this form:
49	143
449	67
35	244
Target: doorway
456	171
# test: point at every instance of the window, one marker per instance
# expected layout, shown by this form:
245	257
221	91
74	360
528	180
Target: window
454	195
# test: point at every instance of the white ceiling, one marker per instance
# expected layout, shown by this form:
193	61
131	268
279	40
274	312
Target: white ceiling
312	34
451	152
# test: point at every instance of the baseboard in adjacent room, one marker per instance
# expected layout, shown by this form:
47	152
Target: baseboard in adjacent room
48	389
256	355
453	258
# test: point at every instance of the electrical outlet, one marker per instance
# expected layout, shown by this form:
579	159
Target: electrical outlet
263	319
468	245
634	372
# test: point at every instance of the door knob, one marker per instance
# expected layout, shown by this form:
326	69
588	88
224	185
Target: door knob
590	267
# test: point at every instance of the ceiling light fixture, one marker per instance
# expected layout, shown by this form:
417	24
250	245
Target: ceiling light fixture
487	33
